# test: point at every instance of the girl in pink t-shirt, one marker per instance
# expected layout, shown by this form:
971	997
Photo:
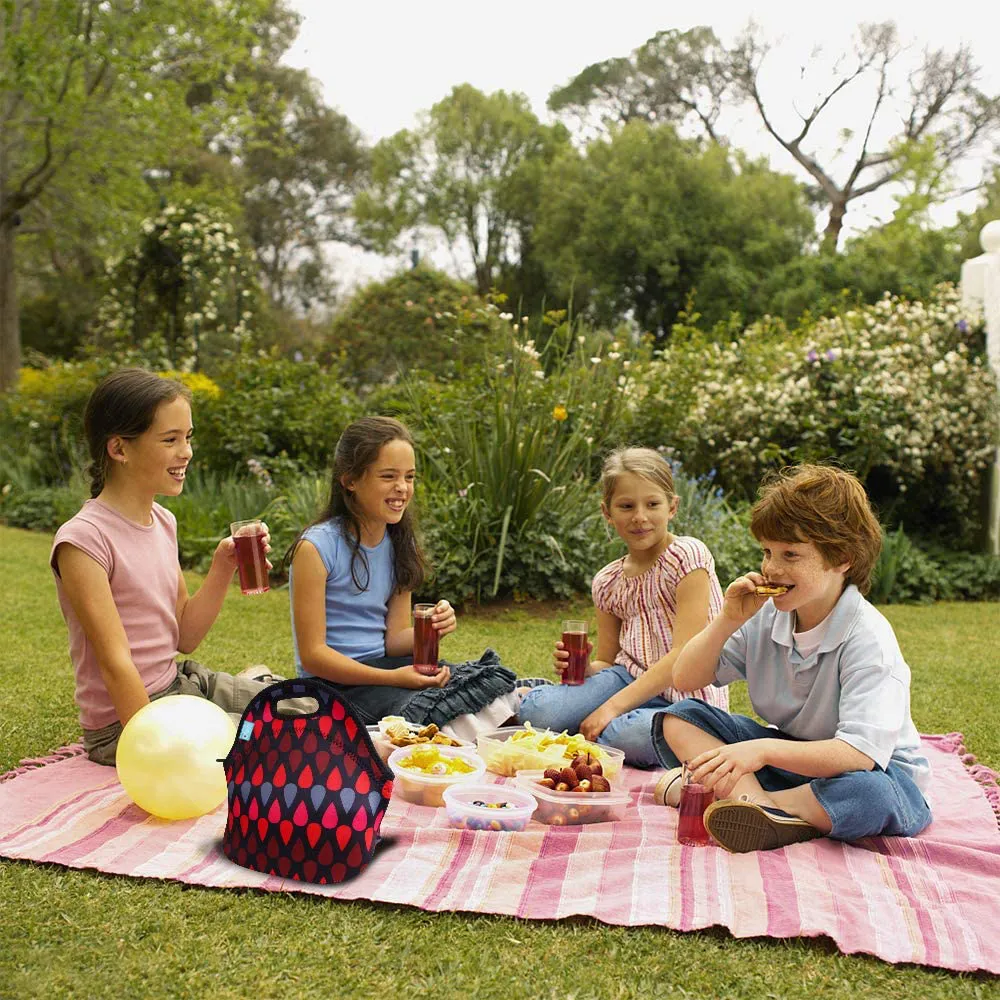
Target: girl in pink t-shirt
118	578
648	604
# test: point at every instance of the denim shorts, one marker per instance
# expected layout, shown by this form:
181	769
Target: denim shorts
859	803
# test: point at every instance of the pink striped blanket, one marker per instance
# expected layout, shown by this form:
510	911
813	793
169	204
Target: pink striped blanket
933	899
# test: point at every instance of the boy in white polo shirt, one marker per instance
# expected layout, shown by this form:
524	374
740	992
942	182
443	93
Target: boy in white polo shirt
840	756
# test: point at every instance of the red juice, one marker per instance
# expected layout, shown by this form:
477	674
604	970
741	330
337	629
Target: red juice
576	668
251	560
695	799
425	645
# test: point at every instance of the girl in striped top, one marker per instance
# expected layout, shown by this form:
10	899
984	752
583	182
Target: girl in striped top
648	604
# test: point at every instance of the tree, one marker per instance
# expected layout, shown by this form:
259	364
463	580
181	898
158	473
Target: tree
466	172
673	77
645	218
101	89
689	77
943	110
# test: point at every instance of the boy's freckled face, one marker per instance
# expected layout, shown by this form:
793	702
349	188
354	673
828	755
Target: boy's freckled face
813	586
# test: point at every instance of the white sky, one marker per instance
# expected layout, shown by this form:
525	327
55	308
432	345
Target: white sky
381	64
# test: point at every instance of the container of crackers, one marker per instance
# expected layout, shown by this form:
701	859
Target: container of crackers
394	732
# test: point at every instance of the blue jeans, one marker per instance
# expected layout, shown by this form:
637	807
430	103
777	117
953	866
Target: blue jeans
859	803
564	706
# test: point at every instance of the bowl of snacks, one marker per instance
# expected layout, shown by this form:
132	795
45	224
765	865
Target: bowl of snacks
523	748
488	807
394	731
576	793
424	771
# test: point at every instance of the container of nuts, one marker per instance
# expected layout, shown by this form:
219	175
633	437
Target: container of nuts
574	794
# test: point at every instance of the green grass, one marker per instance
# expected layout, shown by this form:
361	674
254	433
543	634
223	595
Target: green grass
67	933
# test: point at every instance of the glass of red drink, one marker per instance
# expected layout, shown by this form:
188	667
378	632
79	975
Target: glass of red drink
425	640
695	799
574	639
251	559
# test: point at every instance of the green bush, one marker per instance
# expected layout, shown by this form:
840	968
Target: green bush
420	318
259	415
510	463
277	416
899	392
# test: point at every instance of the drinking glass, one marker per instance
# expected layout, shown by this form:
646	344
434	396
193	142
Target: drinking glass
251	559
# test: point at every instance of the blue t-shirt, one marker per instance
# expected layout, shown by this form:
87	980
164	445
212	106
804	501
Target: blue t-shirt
855	687
355	619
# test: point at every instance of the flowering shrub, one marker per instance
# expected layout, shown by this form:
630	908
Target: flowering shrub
898	391
186	294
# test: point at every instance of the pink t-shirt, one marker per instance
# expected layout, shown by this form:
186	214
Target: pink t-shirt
646	605
142	567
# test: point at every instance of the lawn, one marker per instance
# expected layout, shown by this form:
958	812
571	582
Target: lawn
69	933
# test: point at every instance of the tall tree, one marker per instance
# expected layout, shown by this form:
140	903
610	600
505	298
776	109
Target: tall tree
467	172
675	76
935	106
943	108
102	87
645	219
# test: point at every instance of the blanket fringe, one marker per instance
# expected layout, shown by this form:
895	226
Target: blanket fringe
987	778
31	763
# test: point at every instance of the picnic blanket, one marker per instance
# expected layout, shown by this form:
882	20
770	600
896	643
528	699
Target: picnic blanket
932	899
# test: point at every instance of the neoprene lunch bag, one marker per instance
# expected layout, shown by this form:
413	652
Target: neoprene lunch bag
307	792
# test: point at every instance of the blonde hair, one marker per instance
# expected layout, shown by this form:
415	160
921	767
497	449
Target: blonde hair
827	507
643	462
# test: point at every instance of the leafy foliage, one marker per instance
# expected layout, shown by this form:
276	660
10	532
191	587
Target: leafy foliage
419	318
646	219
898	391
468	173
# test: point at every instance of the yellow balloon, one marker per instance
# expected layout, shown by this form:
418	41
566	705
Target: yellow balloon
168	756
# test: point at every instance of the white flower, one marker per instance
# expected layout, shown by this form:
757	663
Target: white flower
539	374
939	368
507	316
595	361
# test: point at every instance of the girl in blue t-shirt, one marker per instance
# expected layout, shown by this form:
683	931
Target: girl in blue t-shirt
352	575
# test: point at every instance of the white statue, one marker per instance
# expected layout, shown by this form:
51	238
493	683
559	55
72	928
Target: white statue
981	289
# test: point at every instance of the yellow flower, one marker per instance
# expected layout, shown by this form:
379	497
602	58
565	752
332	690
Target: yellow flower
559	413
196	382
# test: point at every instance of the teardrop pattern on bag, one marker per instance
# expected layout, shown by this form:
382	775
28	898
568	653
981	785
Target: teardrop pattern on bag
310	794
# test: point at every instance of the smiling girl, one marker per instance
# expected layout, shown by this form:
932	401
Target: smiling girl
648	604
118	578
353	572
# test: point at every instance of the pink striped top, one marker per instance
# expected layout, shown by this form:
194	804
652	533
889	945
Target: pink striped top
646	605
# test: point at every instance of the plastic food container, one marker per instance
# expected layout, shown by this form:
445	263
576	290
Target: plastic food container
474	807
385	746
428	789
508	759
571	808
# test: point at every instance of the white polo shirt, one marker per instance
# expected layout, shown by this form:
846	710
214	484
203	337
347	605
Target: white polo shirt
854	687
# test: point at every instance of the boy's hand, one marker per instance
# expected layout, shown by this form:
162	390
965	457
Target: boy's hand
721	767
742	601
443	619
560	659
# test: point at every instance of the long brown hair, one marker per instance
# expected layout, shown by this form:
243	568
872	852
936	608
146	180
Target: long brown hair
356	452
123	404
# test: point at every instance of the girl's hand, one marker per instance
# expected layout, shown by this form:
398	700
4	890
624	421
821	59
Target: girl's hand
742	601
721	767
597	722
443	619
560	659
225	552
410	677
